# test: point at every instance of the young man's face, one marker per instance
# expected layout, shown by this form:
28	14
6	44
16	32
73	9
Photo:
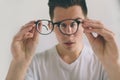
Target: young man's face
73	41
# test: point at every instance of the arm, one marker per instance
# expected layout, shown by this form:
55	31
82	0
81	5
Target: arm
23	48
104	46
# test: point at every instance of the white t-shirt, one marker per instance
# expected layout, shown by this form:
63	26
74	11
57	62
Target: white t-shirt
48	65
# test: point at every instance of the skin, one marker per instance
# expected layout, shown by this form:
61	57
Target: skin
26	40
69	46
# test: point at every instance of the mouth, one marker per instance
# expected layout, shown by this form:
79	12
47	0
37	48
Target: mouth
69	43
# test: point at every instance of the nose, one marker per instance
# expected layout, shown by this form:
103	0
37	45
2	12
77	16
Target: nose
69	30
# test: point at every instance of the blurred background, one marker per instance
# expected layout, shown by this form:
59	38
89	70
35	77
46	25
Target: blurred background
15	13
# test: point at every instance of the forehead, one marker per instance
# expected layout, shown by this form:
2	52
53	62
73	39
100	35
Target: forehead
72	12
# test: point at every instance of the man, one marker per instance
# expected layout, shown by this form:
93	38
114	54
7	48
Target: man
70	59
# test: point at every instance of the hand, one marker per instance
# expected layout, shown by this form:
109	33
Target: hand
105	47
25	42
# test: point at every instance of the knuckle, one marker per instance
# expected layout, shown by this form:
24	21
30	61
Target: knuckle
102	30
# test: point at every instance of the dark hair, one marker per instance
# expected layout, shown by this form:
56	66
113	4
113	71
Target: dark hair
65	4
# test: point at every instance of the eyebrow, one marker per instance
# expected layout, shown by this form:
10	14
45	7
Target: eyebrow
66	19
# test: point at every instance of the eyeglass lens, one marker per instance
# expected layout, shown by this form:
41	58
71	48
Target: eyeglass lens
68	27
46	27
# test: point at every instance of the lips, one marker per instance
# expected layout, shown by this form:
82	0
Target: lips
69	43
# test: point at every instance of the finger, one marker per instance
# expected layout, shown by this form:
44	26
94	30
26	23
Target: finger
25	32
92	24
29	34
105	33
38	24
90	37
31	23
36	34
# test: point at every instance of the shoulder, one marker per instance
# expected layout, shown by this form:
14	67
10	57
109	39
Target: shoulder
89	56
87	52
91	64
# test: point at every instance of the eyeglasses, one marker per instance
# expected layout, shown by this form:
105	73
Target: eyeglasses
66	27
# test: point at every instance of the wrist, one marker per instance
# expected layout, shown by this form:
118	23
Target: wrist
113	71
17	70
21	63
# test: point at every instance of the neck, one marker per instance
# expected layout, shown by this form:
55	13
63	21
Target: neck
69	56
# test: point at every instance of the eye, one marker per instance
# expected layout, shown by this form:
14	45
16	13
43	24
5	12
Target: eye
73	24
79	21
63	25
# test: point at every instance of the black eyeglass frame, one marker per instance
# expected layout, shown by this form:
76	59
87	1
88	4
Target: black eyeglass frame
37	22
77	20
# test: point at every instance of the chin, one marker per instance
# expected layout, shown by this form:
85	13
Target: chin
70	48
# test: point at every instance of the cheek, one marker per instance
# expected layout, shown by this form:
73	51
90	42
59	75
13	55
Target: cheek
58	35
79	34
80	31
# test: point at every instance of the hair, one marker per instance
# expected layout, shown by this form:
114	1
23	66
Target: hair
66	4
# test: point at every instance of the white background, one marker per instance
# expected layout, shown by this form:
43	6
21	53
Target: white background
15	13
